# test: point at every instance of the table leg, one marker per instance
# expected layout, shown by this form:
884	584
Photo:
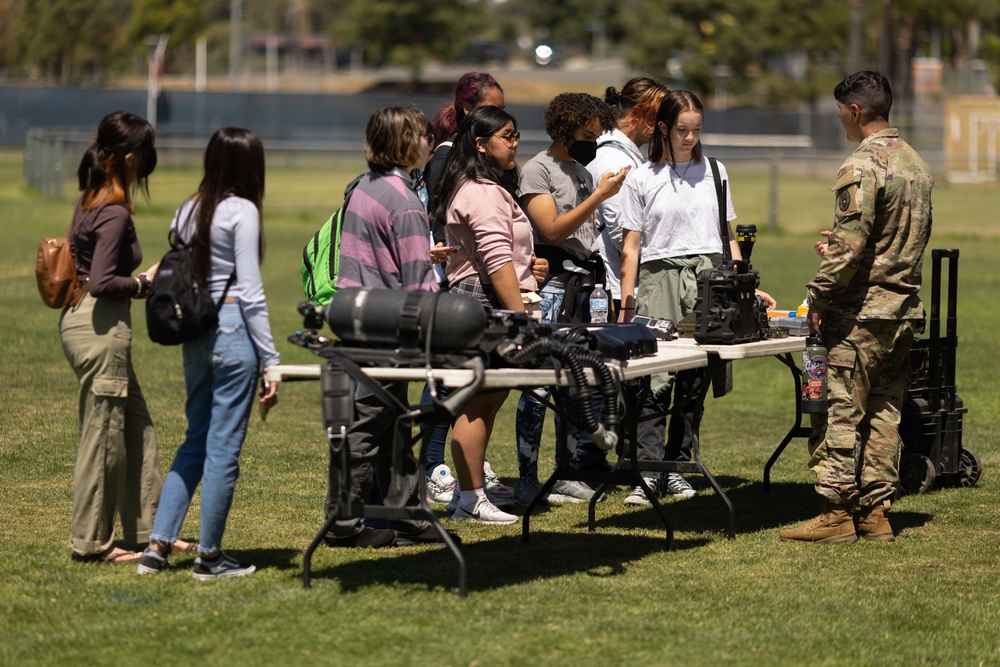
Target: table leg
797	430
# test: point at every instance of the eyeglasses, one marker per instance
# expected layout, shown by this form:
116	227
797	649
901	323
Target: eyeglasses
510	138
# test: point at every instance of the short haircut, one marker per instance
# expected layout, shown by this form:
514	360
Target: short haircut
870	91
568	111
673	105
392	137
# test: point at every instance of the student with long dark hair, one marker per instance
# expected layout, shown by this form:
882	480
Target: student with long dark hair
477	198
473	89
222	224
117	464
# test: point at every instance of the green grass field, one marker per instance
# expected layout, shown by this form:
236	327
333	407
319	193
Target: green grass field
568	598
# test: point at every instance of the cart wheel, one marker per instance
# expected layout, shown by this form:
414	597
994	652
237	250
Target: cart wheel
916	474
971	468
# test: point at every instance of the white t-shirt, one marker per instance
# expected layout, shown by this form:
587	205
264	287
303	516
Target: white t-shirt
614	151
676	209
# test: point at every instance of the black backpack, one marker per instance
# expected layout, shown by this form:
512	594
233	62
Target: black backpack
180	307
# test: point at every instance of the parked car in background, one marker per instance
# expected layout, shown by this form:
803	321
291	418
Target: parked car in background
485	52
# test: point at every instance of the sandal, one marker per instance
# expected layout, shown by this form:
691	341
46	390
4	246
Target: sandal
182	547
112	556
178	547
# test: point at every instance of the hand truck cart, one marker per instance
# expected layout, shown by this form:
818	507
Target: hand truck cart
932	413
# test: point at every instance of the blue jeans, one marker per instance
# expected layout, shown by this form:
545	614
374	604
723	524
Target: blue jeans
531	414
221	371
438	431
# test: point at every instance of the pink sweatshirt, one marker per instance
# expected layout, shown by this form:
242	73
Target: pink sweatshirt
490	229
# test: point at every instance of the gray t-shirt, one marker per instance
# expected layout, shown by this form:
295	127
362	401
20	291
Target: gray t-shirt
570	184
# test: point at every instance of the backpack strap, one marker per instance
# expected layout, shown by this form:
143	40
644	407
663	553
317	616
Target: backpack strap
177	243
720	192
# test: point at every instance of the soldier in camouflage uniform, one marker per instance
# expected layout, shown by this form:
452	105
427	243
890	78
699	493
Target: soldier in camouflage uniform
864	300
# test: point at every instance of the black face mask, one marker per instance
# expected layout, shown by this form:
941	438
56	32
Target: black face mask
583	152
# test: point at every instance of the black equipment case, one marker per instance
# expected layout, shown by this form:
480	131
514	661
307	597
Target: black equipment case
931	423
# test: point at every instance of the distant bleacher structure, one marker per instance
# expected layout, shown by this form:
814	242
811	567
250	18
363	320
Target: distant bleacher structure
972	139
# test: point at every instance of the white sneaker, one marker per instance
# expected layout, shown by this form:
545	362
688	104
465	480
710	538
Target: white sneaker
457	493
565	491
676	485
440	484
484	512
494	487
638	496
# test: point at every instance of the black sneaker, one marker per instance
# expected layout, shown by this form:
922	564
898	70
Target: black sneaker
153	562
428	535
221	566
373	538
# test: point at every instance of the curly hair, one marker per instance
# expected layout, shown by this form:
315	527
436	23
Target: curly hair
567	112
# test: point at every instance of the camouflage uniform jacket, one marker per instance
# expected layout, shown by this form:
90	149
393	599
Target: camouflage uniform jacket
882	223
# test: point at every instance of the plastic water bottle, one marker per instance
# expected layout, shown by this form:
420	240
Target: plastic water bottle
599	305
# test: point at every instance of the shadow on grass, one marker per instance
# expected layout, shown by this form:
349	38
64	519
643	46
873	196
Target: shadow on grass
785	503
505	561
501	562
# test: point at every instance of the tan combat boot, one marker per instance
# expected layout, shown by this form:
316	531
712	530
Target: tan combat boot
834	525
873	523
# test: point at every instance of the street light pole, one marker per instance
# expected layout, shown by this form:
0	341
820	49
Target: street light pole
155	68
235	39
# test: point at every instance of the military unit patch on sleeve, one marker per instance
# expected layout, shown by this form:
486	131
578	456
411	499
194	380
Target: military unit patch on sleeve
848	191
844	200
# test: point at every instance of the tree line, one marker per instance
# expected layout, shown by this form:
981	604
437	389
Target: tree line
767	52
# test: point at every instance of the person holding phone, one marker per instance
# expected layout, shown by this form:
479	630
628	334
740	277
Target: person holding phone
117	469
560	197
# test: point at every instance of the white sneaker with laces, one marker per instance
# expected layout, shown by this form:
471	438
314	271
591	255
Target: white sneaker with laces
494	487
483	512
440	484
456	497
676	485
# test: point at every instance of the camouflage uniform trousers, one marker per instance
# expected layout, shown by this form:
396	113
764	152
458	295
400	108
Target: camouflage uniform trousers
856	446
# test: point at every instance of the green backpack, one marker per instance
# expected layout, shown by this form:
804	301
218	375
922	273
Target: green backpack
321	256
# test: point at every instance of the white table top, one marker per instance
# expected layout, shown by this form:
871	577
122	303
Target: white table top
669	358
761	348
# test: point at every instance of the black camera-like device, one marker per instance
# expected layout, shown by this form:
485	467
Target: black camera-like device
727	309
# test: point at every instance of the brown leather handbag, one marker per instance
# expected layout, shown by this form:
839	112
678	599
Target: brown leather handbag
55	272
